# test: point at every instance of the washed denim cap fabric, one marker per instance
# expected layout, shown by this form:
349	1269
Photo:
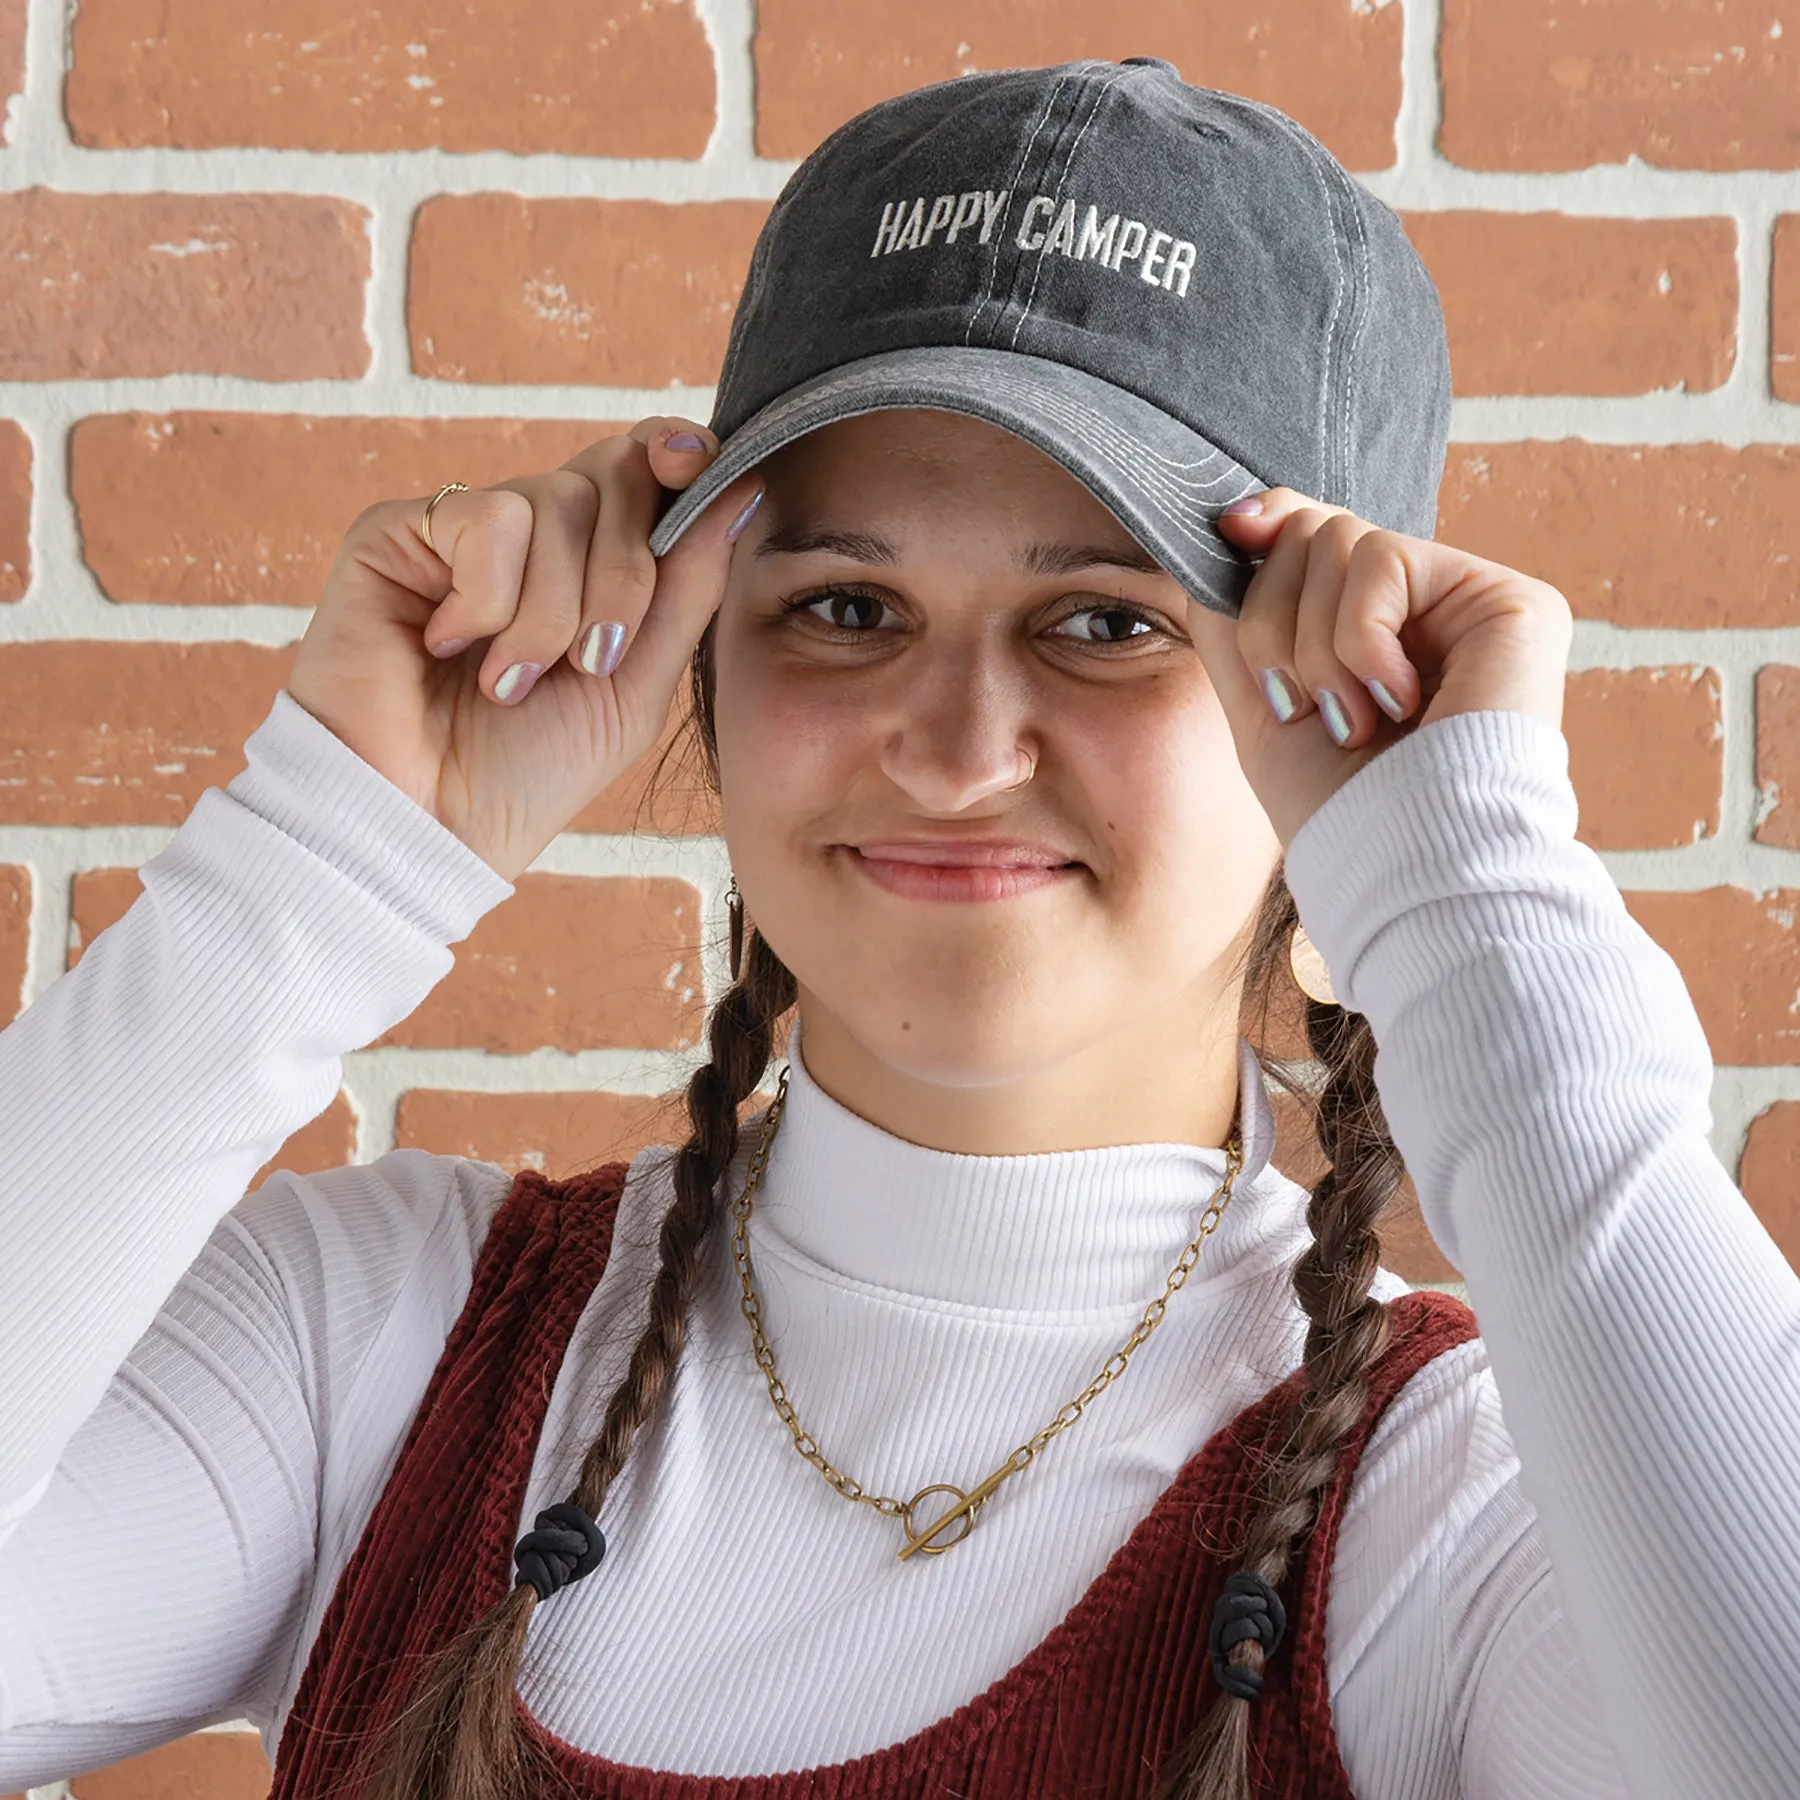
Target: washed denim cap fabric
1176	293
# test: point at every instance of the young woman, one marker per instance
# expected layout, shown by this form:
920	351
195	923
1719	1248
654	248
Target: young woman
986	1416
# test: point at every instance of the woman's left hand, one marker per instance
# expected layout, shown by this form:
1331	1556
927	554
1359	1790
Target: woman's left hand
1361	635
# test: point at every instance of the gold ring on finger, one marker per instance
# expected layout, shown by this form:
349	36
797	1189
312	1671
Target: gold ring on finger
449	487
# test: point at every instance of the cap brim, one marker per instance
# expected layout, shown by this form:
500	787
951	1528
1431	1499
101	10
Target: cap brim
1163	482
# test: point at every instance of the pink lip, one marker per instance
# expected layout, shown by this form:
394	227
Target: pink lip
932	869
965	853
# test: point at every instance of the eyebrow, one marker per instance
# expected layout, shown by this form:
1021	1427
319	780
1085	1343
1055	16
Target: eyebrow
1039	559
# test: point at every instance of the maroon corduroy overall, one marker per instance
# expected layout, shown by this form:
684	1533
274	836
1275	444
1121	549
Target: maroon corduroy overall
1099	1705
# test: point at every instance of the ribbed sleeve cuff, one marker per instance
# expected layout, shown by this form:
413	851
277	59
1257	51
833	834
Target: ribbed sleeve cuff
302	778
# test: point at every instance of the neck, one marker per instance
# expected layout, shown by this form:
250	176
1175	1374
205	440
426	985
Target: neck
1169	1078
1034	1232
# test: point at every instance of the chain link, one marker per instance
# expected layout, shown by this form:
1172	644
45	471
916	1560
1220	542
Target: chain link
964	1506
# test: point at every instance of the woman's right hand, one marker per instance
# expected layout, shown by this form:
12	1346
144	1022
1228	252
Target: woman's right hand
526	576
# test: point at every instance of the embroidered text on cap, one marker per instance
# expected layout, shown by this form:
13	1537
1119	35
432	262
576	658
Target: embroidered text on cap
1163	259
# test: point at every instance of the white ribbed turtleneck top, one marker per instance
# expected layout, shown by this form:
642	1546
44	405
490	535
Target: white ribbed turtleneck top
202	1393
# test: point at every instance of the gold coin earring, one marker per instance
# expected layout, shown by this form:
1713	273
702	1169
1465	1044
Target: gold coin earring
1309	968
734	912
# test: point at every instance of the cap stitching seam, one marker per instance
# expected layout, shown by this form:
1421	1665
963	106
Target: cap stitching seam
1364	308
1326	460
987	291
1031	296
1340	356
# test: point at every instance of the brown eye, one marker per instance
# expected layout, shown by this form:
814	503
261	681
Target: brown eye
846	609
1120	627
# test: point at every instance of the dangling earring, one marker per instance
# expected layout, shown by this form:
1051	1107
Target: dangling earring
734	912
1309	969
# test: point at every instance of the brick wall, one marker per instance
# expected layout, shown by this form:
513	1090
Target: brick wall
266	262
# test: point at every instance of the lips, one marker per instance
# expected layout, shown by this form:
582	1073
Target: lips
940	853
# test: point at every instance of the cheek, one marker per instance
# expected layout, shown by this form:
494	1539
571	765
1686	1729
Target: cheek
1194	847
789	751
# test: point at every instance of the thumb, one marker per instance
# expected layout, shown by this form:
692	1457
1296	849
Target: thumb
690	583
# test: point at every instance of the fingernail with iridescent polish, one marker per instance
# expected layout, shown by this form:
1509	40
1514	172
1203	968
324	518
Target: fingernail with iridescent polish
452	647
685	440
1331	710
602	647
515	684
735	529
1385	700
1283	697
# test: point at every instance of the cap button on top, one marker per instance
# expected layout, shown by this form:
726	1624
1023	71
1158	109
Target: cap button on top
1149	62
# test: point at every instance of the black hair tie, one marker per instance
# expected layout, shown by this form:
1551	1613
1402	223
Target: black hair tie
564	1545
1248	1608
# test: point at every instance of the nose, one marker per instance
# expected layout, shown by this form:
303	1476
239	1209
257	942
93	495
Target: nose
963	730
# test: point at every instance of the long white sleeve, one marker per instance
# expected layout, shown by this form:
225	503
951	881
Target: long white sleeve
296	915
1546	1078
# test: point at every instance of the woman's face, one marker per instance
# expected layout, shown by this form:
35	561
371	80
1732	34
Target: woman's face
923	613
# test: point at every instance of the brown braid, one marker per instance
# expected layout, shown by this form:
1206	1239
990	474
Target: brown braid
1347	1328
458	1738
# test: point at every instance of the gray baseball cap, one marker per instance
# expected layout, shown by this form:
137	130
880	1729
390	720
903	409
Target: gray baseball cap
1176	293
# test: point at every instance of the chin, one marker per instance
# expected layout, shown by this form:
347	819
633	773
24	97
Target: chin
977	1034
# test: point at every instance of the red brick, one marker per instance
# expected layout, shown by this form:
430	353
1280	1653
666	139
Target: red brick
1407	1246
1552	303
15	510
15	938
1646	755
224	509
102	733
1541	84
1689	535
1778	756
12	54
407	75
557	1134
1769	1174
572	962
1784	308
268	286
1336	69
207	1765
624	293
106	733
98	899
1739	953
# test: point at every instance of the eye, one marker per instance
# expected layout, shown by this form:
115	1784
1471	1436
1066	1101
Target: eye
857	608
1121	620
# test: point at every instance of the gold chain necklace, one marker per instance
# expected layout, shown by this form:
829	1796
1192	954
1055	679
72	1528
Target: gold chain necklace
962	1507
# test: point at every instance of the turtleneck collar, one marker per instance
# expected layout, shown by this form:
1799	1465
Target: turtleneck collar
1057	1232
